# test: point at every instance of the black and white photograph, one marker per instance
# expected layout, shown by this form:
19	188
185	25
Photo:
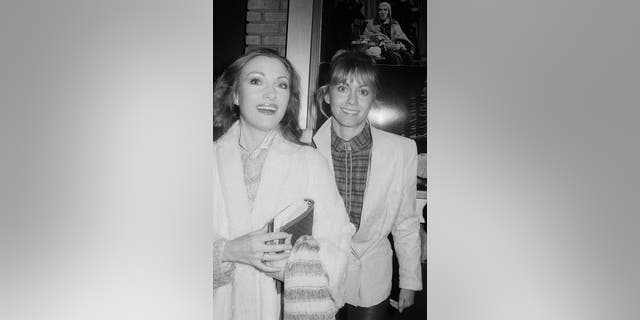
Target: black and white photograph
347	97
319	159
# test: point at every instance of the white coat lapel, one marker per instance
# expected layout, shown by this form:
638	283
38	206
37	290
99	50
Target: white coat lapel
274	174
232	180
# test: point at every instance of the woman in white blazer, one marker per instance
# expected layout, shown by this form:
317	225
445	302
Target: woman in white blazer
259	168
385	164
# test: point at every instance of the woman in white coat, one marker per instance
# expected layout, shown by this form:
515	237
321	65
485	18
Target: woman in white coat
376	175
259	169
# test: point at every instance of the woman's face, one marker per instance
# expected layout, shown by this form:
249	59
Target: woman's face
263	93
350	102
383	13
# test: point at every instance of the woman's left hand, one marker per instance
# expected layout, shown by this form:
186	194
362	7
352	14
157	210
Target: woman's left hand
278	263
405	299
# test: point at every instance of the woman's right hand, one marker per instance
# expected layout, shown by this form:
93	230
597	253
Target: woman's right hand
252	249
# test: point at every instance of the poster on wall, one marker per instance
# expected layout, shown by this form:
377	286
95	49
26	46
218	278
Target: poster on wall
394	34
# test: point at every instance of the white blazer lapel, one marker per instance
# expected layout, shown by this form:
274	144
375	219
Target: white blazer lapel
375	184
374	194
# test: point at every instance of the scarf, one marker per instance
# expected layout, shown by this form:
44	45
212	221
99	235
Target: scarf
306	291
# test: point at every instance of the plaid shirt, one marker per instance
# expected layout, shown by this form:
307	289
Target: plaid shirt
351	161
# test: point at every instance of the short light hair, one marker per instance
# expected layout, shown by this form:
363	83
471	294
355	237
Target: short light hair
347	65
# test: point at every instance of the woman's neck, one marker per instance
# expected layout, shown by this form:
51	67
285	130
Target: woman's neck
250	138
347	133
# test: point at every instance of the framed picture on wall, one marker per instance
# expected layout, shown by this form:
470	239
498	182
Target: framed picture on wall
391	32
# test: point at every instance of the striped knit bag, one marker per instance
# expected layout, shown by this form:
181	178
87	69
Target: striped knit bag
306	291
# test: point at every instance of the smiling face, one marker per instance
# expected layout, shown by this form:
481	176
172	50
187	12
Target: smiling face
350	102
263	93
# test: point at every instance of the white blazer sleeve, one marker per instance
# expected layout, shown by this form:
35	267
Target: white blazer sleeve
405	231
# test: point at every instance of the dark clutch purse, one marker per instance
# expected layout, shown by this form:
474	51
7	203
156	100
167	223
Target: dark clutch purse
299	226
302	224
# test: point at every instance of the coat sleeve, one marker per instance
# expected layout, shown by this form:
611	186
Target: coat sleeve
222	271
405	231
332	228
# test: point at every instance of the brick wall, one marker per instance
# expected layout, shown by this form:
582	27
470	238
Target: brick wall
267	24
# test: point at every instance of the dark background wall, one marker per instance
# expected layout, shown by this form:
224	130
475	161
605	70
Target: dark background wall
229	23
